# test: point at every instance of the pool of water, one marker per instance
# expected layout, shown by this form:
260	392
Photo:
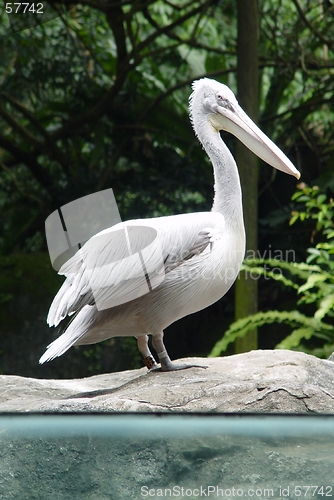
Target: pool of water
136	456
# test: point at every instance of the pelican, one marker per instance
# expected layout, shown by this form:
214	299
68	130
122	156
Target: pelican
201	252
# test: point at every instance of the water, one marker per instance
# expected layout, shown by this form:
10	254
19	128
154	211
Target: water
136	456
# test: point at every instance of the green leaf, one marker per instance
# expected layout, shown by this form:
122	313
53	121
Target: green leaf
314	251
312	281
239	328
321	198
300	196
294	339
294	218
326	305
267	273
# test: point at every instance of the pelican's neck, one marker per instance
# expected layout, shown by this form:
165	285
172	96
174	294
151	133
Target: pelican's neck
227	197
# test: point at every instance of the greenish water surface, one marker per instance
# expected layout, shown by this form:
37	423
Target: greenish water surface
136	456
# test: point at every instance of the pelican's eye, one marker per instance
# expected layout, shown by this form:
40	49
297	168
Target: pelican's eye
225	103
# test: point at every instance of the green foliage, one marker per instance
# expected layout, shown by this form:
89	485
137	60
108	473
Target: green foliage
130	351
94	354
98	98
313	282
306	328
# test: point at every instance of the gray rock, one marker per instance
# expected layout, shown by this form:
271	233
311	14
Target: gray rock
258	381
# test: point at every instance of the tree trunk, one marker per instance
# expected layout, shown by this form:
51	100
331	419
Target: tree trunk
248	92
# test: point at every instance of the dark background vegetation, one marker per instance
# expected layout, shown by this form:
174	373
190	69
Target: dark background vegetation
98	98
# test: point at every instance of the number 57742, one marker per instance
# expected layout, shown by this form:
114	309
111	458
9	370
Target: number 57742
14	8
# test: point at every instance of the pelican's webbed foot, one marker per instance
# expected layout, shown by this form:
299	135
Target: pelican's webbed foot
169	366
166	364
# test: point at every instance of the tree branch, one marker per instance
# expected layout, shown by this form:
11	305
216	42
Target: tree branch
310	26
22	131
190	42
306	107
127	64
95	112
25	194
165	29
179	85
49	144
115	18
30	160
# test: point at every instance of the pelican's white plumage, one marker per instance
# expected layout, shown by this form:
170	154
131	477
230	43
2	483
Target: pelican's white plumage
201	252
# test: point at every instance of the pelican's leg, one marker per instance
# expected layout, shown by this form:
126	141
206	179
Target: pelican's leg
166	364
149	360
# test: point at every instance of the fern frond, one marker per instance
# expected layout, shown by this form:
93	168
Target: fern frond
326	305
262	271
239	328
295	338
320	352
299	269
313	280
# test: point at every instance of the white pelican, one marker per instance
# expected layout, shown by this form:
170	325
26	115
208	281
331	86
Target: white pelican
202	252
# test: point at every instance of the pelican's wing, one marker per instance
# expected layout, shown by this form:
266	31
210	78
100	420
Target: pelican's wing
205	237
128	260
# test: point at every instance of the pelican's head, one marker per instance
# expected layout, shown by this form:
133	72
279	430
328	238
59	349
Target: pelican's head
214	103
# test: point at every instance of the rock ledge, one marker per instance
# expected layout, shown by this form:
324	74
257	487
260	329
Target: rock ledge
258	381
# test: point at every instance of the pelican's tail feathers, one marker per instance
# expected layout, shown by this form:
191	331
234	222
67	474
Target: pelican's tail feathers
58	308
77	328
73	294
